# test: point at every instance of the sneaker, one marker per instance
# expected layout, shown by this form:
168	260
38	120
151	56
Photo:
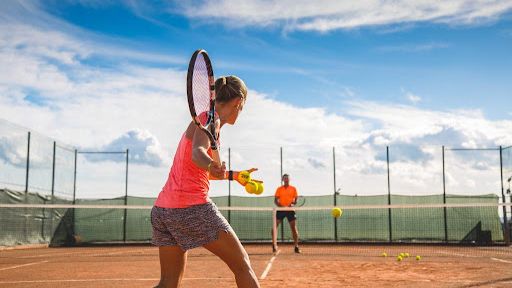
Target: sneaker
274	249
297	250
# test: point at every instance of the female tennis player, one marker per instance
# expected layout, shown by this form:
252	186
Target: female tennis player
183	216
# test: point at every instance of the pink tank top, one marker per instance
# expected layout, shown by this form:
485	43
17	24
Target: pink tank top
187	184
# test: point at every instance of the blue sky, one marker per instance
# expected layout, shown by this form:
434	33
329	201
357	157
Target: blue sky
356	75
449	66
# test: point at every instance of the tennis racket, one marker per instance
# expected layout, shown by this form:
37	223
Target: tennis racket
201	97
301	200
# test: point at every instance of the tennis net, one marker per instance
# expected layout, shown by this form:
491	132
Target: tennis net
462	223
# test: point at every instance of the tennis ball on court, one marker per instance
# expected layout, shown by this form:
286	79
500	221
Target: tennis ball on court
244	177
384	254
251	187
407	255
418	257
402	255
260	188
399	258
336	212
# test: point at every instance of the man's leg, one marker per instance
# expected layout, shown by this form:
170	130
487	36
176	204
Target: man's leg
295	234
274	236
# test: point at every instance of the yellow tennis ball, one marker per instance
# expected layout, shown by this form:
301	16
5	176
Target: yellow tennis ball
384	254
402	255
260	188
244	177
418	257
399	258
407	255
251	187
336	212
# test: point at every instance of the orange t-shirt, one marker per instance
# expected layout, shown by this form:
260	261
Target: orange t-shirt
286	195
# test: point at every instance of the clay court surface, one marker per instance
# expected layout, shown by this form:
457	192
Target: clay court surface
319	265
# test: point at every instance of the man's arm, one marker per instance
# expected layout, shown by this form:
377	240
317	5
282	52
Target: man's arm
276	201
296	196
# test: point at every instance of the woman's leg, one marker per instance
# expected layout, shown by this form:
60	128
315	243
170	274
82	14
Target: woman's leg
231	251
172	266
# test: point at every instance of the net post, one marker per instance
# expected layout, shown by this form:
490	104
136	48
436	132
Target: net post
126	196
505	220
389	199
334	194
445	214
229	185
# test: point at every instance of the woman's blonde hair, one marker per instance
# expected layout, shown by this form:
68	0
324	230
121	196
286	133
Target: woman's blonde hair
229	87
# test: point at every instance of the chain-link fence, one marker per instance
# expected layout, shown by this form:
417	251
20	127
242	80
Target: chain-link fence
46	171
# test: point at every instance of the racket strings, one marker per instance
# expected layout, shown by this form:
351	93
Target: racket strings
201	89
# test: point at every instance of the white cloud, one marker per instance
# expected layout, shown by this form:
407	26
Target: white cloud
421	47
144	148
411	97
327	15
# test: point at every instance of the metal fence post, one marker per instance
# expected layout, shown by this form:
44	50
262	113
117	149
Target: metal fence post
389	198
444	202
52	199
126	196
334	195
505	220
229	185
26	186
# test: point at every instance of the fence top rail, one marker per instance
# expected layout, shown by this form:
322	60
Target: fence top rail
473	149
101	152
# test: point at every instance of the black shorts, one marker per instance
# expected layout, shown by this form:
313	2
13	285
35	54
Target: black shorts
290	215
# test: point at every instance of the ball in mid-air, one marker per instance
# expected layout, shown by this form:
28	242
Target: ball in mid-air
336	212
244	177
251	187
260	188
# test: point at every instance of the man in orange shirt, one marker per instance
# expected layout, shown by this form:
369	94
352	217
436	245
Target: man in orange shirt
286	196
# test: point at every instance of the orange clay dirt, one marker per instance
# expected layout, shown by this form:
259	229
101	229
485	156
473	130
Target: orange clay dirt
317	266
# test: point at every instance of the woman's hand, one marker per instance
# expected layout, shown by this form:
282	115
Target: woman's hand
217	170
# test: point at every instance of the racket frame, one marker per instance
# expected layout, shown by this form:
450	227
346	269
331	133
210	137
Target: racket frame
209	128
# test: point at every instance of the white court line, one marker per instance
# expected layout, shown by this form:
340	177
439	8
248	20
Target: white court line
87	254
269	265
469	256
110	279
22	265
457	254
501	260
